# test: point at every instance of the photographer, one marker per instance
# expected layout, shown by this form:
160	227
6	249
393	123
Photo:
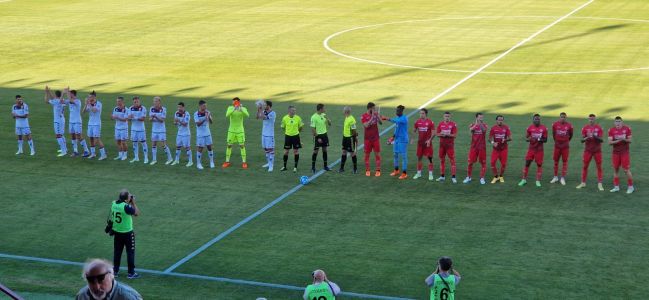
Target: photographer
121	214
321	288
442	283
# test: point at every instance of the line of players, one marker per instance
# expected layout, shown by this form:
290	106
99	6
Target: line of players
499	136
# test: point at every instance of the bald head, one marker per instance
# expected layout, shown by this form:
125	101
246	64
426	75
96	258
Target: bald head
319	275
96	266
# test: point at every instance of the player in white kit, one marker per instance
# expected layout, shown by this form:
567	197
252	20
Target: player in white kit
267	115
58	107
181	120
120	115
137	115
157	116
93	107
76	123
203	119
20	112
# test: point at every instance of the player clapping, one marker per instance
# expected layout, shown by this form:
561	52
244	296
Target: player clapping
236	133
619	136
203	119
93	107
425	128
157	116
137	115
478	150
181	120
76	124
447	132
267	115
58	107
536	135
120	115
562	132
371	121
499	137
20	112
592	138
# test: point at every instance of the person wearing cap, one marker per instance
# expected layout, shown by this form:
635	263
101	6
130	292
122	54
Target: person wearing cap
442	283
322	288
236	113
98	273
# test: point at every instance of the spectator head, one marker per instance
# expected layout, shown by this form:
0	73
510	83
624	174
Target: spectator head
445	263
319	276
98	273
123	195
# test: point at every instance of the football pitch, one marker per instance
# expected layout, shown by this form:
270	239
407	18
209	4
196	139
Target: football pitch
242	234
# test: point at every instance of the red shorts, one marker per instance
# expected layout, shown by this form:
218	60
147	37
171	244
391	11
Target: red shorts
475	154
590	155
422	150
372	145
561	153
499	155
446	150
535	155
621	160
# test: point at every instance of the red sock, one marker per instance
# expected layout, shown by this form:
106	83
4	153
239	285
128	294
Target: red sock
556	168
483	169
564	169
419	165
377	157
469	170
367	160
430	167
584	172
600	174
616	181
526	169
453	168
539	172
442	166
629	181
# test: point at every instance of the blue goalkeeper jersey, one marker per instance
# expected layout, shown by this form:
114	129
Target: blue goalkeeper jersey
400	129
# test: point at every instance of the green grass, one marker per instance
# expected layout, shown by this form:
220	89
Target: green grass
372	235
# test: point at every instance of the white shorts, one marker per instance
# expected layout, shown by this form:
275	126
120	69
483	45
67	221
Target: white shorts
267	142
203	141
75	128
94	131
182	141
59	127
121	134
138	136
23	131
158	136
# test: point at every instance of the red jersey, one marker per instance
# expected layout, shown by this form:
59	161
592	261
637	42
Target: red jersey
562	133
499	135
619	134
446	128
372	131
535	135
425	127
592	145
478	136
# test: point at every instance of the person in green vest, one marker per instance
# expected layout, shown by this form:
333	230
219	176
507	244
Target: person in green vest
442	283
122	212
322	288
350	140
319	125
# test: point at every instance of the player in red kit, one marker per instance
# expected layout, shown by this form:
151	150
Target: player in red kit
499	136
562	132
478	150
620	137
426	130
371	121
592	136
447	131
536	135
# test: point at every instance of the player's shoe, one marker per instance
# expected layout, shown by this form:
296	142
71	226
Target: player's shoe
377	173
133	276
600	187
441	179
368	173
146	160
313	170
212	166
266	165
615	189
225	165
85	154
466	180
74	154
522	182
19	152
341	170
134	160
501	179
283	169
581	185
630	189
189	164
453	180
124	157
538	183
417	176
62	154
32	153
175	162
496	179
355	171
394	173
270	168
403	175
153	162
482	181
563	181
431	177
117	158
244	165
295	170
169	162
199	166
103	157
58	151
91	156
326	168
555	179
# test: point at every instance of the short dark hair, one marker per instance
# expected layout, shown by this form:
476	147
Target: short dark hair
424	110
592	116
18	96
447	113
93	93
123	195
201	102
536	115
236	99
57	93
618	118
181	104
445	263
500	116
269	103
401	107
136	97
73	92
370	105
319	106
563	114
120	98
478	114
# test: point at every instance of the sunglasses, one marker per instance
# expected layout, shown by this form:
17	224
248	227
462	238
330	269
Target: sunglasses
97	278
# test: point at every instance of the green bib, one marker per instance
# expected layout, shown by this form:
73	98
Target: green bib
439	291
319	292
122	222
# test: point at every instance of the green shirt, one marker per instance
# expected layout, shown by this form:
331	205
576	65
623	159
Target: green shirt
439	291
349	125
319	291
236	118
122	222
292	125
319	122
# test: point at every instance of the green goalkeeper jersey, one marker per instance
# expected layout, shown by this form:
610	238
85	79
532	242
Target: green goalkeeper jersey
236	118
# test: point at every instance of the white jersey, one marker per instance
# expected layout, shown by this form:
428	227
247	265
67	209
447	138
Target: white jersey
203	129
120	113
95	116
57	109
183	130
21	111
136	113
75	110
268	124
157	126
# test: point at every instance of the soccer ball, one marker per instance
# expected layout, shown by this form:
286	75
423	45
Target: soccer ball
304	180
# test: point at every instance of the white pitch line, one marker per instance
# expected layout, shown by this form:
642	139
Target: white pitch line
318	174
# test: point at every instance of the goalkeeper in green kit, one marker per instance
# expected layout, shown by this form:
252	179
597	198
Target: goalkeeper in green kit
236	113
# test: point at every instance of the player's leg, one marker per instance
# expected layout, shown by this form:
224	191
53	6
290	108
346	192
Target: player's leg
473	157
102	150
616	159
600	173
556	156
404	160
296	157
241	139
200	144
494	158
482	158
626	166
343	159
83	143
154	148
538	158
442	163
136	146
73	138
565	156
145	148
93	149
586	158
28	135
503	163
376	148
451	158
210	152
19	138
287	147
367	151
325	156
354	159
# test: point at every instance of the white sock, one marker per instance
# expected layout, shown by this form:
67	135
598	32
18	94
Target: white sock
20	145
211	154
31	144
177	154
102	151
199	155
168	153
154	152
84	145
145	150
92	150
75	148
64	145
189	154
136	147
271	158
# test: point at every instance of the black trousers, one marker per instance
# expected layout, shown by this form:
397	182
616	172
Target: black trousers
121	241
